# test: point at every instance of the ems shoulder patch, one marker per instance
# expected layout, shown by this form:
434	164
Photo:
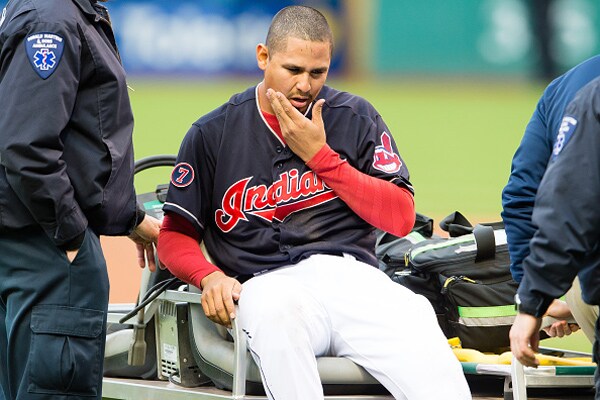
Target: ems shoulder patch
384	158
567	127
44	51
182	175
3	16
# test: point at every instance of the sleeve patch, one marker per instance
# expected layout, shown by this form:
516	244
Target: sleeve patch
44	51
567	127
384	158
182	175
3	16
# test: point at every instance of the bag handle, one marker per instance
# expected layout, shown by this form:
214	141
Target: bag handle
485	241
456	224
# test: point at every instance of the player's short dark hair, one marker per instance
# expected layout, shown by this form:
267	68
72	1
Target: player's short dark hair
301	22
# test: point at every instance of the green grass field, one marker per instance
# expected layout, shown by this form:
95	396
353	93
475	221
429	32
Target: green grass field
457	137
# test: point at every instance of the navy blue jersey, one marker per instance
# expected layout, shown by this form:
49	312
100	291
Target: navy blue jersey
566	211
257	205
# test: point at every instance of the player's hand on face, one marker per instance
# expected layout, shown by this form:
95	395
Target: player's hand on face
219	294
145	236
304	137
524	339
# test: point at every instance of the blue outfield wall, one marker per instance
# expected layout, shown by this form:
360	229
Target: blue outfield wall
200	37
451	37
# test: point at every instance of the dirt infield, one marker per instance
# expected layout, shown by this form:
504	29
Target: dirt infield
123	272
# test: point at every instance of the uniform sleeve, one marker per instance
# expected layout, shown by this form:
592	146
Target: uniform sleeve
379	156
566	208
186	195
528	166
378	190
379	202
178	249
38	92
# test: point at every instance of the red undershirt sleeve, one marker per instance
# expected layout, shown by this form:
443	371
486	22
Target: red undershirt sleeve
179	251
380	203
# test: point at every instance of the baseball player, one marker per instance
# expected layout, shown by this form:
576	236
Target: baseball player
284	184
566	213
528	166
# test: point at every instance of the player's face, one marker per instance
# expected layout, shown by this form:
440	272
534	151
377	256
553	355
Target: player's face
299	71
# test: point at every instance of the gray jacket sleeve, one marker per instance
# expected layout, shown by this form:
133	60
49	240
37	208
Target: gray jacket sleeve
566	210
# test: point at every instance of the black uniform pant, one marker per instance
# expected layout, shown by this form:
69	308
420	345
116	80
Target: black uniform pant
52	318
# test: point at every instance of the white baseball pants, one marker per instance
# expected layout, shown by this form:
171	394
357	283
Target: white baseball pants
330	305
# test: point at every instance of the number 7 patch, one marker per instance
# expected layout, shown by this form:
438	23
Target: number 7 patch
182	175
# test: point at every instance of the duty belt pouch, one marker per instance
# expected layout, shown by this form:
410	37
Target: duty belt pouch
467	280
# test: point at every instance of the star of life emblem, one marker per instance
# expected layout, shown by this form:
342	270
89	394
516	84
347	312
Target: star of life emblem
44	51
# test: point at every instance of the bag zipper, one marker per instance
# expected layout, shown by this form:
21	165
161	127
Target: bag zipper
449	281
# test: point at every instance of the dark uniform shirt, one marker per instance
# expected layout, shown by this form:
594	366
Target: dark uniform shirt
257	204
567	212
532	156
65	123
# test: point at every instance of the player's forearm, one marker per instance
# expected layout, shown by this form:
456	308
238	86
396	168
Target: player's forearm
180	252
380	203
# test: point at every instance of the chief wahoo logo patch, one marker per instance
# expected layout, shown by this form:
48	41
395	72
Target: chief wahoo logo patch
384	158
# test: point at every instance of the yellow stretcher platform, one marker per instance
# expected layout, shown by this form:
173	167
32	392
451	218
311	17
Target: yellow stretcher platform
517	379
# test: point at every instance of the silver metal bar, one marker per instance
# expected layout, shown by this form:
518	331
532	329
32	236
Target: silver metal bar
177	296
130	389
519	382
239	362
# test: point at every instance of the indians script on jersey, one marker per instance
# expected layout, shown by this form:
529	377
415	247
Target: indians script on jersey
289	194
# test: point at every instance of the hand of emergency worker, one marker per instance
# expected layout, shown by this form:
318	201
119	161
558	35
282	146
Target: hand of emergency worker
145	236
304	137
219	292
525	339
560	310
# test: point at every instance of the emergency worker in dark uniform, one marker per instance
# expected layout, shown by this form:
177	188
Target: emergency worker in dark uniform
566	243
66	176
518	197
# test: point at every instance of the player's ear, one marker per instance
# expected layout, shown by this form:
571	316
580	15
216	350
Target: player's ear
262	56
